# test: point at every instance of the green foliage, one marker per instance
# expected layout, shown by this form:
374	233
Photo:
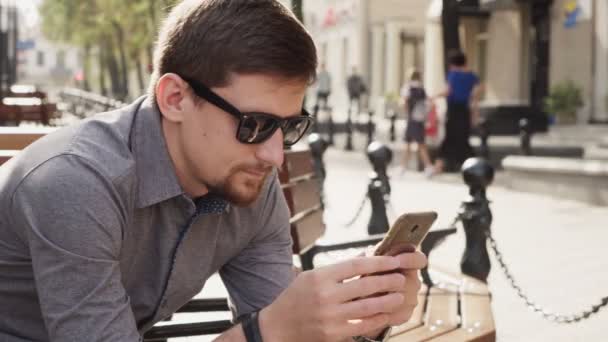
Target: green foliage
564	100
116	31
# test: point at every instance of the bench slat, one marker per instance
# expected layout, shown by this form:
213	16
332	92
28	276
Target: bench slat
302	195
477	325
306	230
441	316
298	164
417	318
5	155
18	139
476	310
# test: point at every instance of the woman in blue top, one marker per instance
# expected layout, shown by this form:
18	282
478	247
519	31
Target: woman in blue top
462	93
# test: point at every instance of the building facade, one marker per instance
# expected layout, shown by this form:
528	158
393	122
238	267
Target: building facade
44	63
523	48
381	39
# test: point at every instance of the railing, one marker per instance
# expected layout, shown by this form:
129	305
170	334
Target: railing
83	103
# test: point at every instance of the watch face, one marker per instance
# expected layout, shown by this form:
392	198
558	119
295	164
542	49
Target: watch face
382	338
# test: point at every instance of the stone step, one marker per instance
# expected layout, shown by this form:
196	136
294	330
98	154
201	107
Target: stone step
567	178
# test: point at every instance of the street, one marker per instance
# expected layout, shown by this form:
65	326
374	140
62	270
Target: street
555	247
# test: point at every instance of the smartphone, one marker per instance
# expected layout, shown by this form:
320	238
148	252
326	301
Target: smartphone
406	233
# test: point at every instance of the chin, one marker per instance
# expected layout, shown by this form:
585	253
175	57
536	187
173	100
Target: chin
243	194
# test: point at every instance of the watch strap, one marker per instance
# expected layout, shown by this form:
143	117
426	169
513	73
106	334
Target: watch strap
251	327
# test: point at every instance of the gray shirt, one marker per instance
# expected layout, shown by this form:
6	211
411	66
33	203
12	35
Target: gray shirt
98	241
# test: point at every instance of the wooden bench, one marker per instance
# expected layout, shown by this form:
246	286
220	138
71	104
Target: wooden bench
17	109
455	308
14	139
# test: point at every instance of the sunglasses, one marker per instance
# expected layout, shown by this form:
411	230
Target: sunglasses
253	127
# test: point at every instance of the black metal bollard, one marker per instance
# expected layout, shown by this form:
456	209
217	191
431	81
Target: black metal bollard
476	218
378	222
393	117
370	127
349	132
318	146
484	134
380	156
315	119
525	135
330	127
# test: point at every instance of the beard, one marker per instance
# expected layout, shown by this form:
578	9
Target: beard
240	187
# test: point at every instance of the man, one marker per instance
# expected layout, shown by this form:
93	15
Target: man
323	87
355	87
111	225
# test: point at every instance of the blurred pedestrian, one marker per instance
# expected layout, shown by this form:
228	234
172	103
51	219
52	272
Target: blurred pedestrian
462	93
323	87
356	87
416	106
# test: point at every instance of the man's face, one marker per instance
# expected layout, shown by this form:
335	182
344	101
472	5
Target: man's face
214	159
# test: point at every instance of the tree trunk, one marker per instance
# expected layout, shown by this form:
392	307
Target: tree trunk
113	69
150	60
140	75
101	54
124	68
152	12
86	67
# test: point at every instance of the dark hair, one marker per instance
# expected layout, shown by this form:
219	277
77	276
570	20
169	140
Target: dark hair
457	58
415	75
208	40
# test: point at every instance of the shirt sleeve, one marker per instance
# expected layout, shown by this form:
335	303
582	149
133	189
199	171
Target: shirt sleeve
260	272
72	219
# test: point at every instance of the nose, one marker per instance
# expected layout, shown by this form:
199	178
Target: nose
271	150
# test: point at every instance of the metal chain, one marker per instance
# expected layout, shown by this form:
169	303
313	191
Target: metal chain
558	318
358	213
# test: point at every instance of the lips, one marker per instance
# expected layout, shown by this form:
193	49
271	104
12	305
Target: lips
256	172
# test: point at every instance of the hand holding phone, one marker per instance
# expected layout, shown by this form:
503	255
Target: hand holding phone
406	234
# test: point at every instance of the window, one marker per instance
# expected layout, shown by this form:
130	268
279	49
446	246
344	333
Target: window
60	59
40	58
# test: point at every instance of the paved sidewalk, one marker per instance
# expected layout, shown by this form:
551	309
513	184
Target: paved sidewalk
556	248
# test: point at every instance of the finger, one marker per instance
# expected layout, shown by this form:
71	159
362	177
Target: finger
400	248
390	303
358	266
412	261
366	286
366	325
402	315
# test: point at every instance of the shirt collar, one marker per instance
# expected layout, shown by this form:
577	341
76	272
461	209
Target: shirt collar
157	180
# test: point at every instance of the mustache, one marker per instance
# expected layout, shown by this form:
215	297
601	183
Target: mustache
257	168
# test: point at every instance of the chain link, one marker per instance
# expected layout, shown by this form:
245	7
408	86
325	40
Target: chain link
558	318
358	213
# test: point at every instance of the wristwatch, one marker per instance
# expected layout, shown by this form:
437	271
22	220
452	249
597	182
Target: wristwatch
251	327
382	338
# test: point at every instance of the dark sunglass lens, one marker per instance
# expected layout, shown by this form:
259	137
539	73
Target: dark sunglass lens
294	129
256	128
248	130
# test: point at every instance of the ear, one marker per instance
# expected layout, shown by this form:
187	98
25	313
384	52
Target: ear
172	97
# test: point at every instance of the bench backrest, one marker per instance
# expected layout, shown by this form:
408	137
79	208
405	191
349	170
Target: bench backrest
17	138
302	192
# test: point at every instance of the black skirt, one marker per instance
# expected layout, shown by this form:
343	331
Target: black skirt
455	147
